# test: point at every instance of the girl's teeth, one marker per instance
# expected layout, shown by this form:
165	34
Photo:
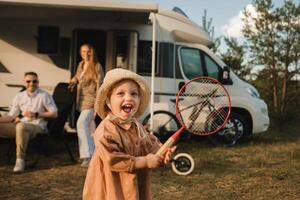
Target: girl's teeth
127	108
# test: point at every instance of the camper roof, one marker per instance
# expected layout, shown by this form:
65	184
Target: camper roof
179	27
182	28
90	10
87	4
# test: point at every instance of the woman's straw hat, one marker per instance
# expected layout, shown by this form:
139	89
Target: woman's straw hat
111	78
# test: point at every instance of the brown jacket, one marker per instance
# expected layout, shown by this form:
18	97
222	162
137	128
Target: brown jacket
87	89
110	175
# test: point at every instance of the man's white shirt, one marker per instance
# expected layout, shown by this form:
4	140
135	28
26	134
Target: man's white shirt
40	101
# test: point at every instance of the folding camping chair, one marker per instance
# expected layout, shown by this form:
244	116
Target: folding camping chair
64	100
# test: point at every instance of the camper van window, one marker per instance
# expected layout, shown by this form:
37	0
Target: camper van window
212	67
61	59
144	57
166	55
178	74
48	39
191	62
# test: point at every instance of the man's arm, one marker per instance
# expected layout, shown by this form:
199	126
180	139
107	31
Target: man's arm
51	109
13	113
6	118
48	114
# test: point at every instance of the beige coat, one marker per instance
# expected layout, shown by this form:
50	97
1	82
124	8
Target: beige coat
86	89
110	175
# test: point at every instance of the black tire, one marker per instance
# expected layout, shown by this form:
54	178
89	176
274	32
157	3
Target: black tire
165	124
183	164
236	128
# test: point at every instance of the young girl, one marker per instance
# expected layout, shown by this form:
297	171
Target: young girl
125	151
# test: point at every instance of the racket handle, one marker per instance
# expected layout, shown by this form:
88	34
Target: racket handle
162	150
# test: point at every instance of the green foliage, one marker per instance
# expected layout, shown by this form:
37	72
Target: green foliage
274	42
217	42
234	58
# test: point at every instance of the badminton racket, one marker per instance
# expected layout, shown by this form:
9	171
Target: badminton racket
203	107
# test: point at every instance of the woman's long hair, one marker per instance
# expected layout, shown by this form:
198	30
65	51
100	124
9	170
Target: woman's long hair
92	71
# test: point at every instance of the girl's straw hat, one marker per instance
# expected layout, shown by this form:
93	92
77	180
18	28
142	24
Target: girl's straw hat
111	78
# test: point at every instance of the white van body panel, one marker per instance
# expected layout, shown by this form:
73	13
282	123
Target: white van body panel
18	34
257	108
19	22
23	58
240	98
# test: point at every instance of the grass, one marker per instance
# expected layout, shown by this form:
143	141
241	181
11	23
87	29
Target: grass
266	166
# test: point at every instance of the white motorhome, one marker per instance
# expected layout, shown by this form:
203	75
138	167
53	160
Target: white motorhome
45	35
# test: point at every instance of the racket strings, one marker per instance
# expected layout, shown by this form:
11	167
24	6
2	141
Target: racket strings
203	107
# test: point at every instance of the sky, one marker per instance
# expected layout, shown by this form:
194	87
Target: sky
224	14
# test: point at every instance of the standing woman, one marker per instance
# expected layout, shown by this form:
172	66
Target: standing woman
88	79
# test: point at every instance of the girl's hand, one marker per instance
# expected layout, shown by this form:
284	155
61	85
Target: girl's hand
154	161
168	154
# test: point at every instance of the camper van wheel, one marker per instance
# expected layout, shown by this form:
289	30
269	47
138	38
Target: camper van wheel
183	164
164	124
235	129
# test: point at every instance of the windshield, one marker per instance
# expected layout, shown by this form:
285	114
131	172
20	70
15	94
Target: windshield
191	62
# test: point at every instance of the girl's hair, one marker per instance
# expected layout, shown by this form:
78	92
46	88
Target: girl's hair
120	81
92	72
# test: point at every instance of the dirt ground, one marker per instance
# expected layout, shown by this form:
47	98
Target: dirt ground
54	177
266	167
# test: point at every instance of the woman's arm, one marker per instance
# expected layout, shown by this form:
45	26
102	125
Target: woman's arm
75	78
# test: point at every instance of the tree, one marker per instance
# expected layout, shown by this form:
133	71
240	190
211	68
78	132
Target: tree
207	26
234	58
289	48
273	42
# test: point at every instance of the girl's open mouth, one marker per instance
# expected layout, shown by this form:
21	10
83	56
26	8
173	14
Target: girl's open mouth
127	108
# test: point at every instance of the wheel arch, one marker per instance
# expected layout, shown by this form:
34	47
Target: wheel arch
245	113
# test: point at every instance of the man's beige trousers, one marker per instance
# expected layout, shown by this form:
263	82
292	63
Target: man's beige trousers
23	132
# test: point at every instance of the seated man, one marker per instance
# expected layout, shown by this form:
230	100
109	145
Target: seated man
35	105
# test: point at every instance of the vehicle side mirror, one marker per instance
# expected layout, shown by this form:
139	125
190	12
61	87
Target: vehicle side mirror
180	85
224	76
